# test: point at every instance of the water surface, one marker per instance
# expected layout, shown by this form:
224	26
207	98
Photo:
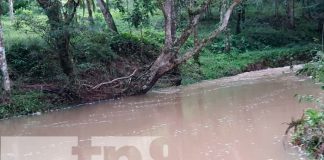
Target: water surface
234	118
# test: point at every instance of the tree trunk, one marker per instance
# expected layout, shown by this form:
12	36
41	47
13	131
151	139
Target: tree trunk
63	48
11	10
89	8
107	15
168	58
3	62
169	24
196	44
60	34
165	62
174	20
160	67
239	19
195	29
227	41
290	9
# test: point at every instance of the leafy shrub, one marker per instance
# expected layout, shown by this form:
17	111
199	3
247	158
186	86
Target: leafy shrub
287	56
129	45
31	59
315	68
220	65
310	132
267	36
190	73
21	4
23	103
4	7
92	46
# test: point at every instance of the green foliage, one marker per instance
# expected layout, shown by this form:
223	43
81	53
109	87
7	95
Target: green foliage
190	73
132	46
315	69
119	4
220	65
18	4
314	117
263	42
31	60
140	13
92	46
310	133
4	7
259	38
23	103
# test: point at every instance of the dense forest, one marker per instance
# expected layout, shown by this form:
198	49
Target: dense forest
56	53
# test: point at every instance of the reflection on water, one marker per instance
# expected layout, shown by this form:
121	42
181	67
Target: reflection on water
235	118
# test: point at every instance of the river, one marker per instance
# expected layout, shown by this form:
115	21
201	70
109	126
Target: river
234	118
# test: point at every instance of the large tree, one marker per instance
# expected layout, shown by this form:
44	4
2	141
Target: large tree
170	56
60	18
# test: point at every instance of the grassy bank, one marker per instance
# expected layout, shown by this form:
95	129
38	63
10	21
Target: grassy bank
29	98
220	65
309	133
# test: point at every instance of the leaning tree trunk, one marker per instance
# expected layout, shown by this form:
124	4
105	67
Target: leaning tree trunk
141	82
168	59
11	10
107	15
227	40
3	62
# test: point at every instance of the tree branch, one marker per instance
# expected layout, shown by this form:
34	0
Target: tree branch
71	8
213	35
192	24
112	81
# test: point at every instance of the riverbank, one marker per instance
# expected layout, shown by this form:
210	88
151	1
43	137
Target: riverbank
38	98
309	129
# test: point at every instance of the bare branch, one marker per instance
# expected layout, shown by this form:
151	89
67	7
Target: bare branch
114	80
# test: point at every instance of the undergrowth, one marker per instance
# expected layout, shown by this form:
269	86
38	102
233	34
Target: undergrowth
309	133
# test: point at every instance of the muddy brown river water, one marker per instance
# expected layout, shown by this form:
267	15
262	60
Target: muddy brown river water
234	118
